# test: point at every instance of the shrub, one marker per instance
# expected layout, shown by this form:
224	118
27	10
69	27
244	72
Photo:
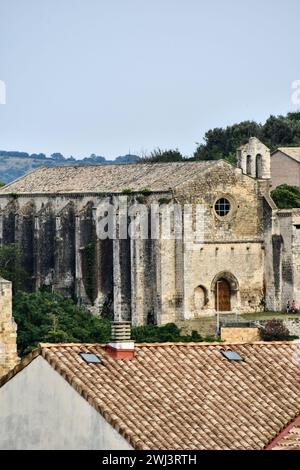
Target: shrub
286	197
274	330
161	334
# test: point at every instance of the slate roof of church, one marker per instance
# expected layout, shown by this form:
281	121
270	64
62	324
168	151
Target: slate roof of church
156	177
187	396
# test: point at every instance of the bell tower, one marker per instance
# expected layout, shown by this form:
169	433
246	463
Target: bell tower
8	329
254	158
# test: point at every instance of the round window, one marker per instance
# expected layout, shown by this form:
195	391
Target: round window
222	207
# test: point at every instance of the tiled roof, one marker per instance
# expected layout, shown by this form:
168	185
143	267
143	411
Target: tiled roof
187	396
290	441
293	152
108	178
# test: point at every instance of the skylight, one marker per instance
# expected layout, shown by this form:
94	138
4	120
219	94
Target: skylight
232	355
90	358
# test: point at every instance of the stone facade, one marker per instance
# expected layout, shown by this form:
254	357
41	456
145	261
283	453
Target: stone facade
8	329
242	334
245	252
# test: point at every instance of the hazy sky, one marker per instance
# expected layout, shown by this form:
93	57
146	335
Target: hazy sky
103	76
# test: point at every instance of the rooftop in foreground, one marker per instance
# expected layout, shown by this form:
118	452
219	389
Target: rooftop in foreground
187	396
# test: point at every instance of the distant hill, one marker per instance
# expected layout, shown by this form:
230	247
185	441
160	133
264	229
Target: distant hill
13	165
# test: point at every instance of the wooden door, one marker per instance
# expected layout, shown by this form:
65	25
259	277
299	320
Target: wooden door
223	291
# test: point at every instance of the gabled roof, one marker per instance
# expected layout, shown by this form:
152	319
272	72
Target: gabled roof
186	396
292	152
156	177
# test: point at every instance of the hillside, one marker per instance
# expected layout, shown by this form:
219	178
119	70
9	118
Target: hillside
15	164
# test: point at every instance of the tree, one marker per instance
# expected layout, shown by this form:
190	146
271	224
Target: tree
286	197
222	143
159	155
57	156
11	266
44	316
159	334
279	131
275	132
2	184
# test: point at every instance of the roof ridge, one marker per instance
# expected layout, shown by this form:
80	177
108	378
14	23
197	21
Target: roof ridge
175	343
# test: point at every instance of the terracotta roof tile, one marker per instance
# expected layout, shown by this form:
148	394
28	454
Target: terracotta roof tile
187	396
291	441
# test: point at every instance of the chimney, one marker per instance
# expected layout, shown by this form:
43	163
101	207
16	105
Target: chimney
121	346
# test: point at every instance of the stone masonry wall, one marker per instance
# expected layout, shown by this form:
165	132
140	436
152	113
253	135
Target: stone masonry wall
8	329
234	335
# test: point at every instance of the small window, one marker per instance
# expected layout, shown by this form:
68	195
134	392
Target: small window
231	355
90	358
222	207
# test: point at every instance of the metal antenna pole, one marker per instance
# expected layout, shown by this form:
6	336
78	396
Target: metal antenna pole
218	312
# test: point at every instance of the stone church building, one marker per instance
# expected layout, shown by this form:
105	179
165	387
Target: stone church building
248	258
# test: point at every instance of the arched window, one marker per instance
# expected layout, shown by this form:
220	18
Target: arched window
200	298
258	165
249	161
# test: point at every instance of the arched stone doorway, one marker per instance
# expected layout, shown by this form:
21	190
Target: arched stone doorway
223	296
225	288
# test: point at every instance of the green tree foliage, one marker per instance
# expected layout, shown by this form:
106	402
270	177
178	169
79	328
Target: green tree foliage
165	333
286	197
49	317
274	330
2	184
159	155
222	143
11	266
275	132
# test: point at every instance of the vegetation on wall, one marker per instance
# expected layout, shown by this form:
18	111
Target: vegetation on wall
286	197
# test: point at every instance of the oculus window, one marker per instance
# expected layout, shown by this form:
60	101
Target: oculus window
222	207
